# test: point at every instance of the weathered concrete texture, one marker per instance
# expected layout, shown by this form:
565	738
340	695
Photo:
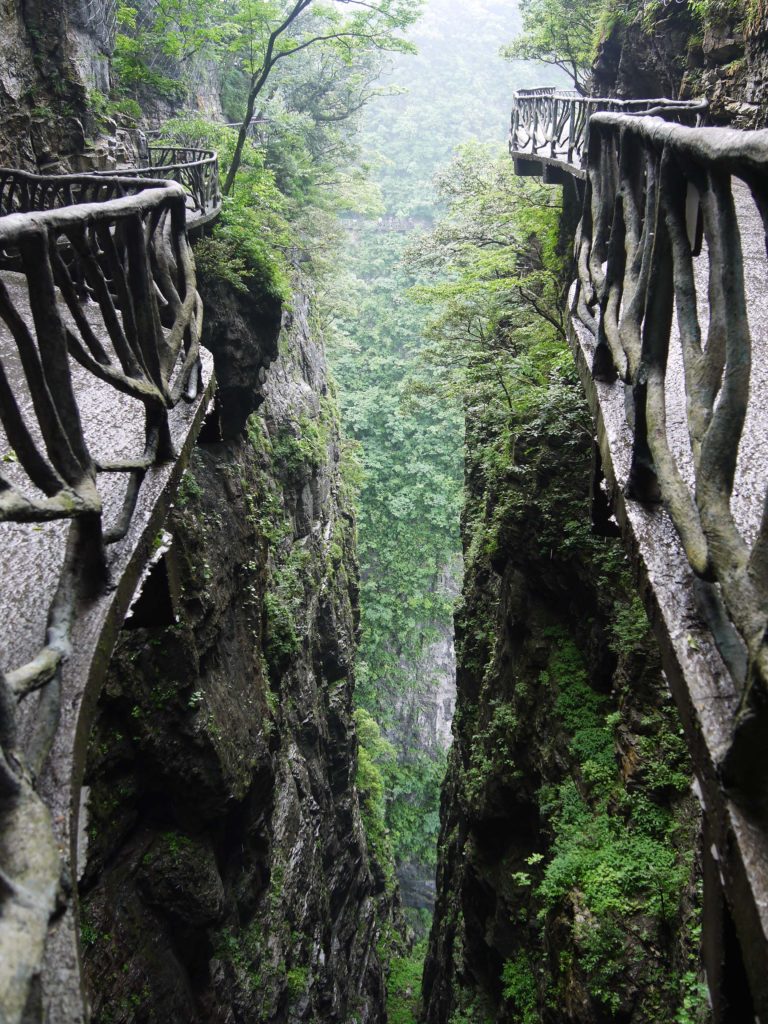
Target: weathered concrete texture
92	640
750	482
30	861
228	878
32	557
703	687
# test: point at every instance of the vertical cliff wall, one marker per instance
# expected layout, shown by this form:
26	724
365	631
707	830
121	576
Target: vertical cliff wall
711	49
228	876
45	46
567	881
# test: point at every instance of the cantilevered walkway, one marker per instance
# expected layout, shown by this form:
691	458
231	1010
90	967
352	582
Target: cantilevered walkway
669	328
103	389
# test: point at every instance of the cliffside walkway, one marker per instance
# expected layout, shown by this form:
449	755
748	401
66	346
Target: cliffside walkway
103	390
196	170
668	324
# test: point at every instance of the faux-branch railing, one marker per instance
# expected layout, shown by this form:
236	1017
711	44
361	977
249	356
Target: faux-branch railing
98	292
196	170
111	285
655	194
670	246
553	123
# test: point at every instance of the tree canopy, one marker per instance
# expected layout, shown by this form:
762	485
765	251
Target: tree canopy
560	33
494	281
255	36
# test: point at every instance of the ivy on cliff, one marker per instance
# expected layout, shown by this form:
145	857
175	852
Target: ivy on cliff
599	896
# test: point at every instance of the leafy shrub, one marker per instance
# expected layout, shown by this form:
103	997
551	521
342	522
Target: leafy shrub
404	986
519	987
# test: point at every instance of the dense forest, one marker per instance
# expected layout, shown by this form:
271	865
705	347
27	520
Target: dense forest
439	774
411	433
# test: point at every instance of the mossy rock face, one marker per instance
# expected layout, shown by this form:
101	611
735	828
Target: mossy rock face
567	879
43	102
241	330
179	875
228	866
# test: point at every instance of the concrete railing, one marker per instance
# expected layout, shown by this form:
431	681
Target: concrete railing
101	396
668	326
656	195
552	124
196	170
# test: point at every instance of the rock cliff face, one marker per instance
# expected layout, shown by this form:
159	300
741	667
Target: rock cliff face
228	877
424	715
567	879
721	54
53	54
42	88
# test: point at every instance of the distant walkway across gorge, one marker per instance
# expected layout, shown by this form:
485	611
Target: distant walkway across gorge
668	323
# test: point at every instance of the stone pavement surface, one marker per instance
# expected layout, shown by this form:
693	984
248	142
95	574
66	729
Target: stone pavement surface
703	687
31	555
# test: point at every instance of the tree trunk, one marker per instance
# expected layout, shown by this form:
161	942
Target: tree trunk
237	156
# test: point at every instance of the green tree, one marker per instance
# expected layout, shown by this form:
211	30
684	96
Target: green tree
495	291
170	34
269	31
561	33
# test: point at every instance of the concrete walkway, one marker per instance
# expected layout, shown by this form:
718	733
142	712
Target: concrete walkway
31	556
680	606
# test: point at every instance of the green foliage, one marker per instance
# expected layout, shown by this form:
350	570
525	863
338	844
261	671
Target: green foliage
89	935
494	287
250	241
299	448
411	469
470	1009
694	1008
297	978
281	640
154	46
265	36
618	867
411	437
629	627
719	12
404	986
561	33
216	258
491	753
756	16
413	797
519	987
373	752
121	108
284	599
189	490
